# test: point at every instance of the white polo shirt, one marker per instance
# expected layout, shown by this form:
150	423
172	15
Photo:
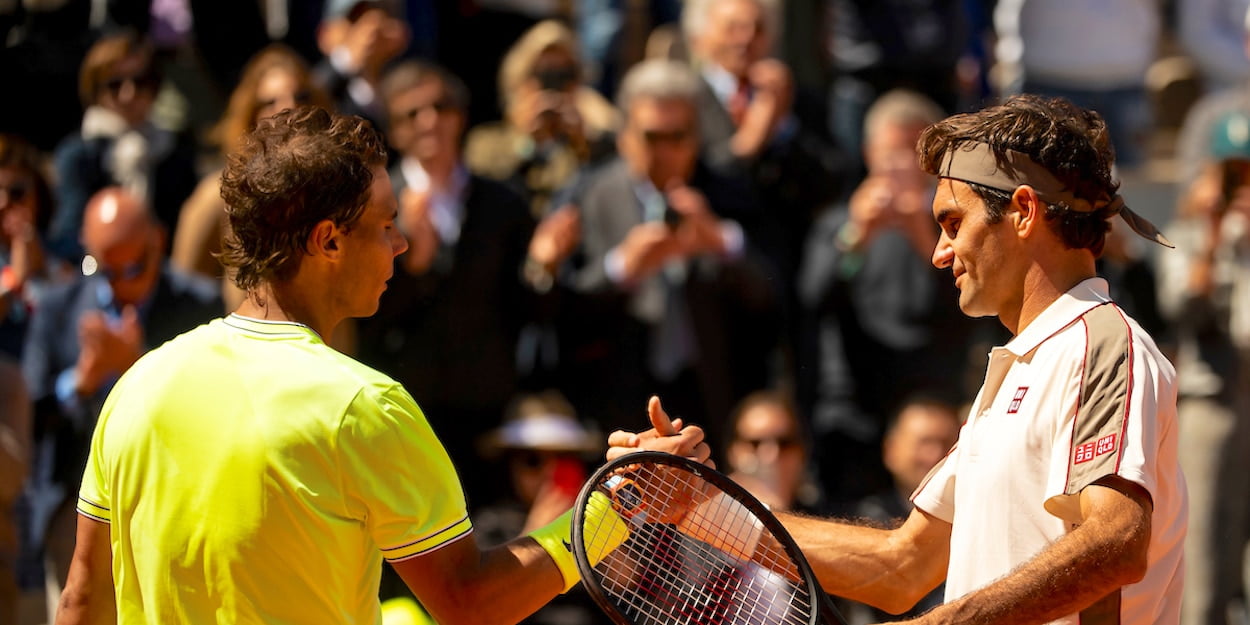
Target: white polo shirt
1081	393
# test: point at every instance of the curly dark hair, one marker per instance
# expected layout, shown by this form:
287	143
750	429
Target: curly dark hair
294	170
1069	141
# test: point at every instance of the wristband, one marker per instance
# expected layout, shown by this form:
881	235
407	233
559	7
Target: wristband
556	537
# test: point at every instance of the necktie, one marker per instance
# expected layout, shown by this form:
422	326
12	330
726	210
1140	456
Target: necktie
737	105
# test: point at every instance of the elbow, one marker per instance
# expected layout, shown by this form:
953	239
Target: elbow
1135	565
1133	561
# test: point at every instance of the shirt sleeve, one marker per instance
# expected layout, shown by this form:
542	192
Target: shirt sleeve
1127	392
94	496
398	477
936	493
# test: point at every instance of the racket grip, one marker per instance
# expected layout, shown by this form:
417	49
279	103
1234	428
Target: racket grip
601	522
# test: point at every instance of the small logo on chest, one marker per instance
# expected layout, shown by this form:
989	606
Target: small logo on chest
1016	400
1093	449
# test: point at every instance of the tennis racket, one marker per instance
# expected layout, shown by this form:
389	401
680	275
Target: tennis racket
685	545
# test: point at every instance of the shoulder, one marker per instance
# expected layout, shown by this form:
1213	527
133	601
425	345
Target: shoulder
495	150
611	178
58	296
1116	346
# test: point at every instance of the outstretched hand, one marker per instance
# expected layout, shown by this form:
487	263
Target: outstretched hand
666	434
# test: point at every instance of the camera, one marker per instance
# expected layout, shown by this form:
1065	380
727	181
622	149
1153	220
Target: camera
555	78
672	218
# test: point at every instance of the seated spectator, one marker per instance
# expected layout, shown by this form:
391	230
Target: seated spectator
882	320
447	326
553	123
359	38
118	144
768	452
917	439
543	448
82	337
275	79
25	208
14	462
667	282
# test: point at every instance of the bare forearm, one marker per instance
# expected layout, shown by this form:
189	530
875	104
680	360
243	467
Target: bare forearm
86	606
888	569
499	585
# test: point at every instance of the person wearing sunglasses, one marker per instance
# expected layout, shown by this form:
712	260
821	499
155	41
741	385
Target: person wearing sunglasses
118	143
665	268
768	452
554	124
25	207
83	336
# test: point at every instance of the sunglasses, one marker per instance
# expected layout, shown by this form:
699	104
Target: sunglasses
782	442
146	81
16	191
655	137
440	106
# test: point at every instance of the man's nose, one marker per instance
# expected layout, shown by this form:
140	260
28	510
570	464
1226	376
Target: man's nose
943	253
399	242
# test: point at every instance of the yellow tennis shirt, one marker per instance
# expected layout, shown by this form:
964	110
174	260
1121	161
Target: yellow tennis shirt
252	474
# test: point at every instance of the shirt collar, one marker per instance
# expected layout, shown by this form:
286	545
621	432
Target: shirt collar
1080	299
650	198
269	327
724	84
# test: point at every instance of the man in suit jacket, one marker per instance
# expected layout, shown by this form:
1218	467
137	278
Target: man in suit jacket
667	273
749	128
448	324
83	336
359	38
880	321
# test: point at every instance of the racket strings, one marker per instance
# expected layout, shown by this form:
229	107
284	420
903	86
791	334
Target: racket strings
690	562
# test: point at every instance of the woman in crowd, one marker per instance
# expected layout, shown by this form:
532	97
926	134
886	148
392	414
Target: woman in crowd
118	144
275	79
553	123
25	209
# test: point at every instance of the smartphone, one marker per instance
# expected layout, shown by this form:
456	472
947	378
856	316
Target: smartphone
555	78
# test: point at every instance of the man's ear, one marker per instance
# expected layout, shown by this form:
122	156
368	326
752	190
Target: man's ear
1028	211
325	240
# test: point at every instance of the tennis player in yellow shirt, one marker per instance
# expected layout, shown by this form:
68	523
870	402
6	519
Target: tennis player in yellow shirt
245	472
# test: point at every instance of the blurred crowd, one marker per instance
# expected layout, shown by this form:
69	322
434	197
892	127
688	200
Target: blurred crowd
715	201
